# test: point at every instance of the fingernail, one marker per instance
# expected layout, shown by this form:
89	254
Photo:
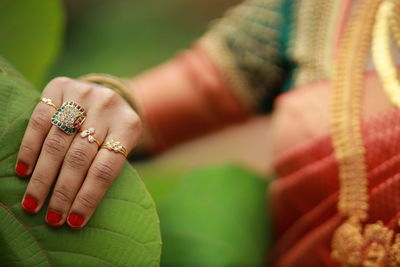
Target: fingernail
53	217
75	220
29	204
21	169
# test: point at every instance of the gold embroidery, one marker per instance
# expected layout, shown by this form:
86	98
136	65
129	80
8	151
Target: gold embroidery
394	258
347	243
250	65
313	40
214	44
353	244
377	240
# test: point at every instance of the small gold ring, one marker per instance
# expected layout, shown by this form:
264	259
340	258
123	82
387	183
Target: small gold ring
89	134
115	146
48	101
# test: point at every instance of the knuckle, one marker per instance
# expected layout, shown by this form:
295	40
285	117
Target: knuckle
39	181
39	121
109	98
134	123
77	158
103	173
62	194
87	201
86	90
60	81
55	144
26	149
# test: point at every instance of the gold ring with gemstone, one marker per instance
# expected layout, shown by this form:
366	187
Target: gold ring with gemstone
89	134
48	101
115	146
69	117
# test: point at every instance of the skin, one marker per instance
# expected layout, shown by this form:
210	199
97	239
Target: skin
80	172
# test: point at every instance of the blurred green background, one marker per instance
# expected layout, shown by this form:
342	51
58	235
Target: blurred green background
125	37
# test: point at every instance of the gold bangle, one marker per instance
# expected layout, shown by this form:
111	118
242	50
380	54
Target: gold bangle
111	82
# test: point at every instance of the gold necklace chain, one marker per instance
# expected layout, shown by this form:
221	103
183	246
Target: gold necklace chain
395	21
354	244
381	49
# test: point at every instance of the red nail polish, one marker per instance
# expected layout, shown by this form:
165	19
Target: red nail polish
53	217
29	204
21	169
75	220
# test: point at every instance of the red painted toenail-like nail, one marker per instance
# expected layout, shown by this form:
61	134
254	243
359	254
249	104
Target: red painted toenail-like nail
21	169
29	204
53	217
75	220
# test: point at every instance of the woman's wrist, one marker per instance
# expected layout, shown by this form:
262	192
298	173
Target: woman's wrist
116	84
184	98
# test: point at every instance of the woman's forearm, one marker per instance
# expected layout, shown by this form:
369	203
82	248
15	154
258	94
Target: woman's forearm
184	98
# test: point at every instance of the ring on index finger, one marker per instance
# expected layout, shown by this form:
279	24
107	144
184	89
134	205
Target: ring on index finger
48	101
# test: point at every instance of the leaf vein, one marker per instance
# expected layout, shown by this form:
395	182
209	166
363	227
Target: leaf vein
28	229
80	254
11	124
142	244
124	200
8	156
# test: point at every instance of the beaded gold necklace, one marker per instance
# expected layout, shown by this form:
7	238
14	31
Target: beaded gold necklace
386	23
353	243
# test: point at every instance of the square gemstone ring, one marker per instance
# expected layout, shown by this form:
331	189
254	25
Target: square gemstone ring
69	117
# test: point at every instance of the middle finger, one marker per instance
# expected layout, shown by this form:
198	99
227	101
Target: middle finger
74	169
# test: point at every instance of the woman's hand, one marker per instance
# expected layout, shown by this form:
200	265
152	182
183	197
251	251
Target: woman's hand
81	170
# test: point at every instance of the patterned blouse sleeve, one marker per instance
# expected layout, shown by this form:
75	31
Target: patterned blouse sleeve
248	45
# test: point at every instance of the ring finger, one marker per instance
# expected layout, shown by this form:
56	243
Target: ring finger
102	173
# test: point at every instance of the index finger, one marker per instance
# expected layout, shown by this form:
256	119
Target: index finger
36	131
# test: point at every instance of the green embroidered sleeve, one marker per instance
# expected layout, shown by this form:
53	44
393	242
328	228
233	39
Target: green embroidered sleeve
249	46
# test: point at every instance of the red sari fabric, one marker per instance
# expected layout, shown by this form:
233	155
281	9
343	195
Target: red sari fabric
184	98
304	197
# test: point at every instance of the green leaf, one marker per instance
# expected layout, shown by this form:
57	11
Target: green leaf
216	216
124	230
30	35
160	178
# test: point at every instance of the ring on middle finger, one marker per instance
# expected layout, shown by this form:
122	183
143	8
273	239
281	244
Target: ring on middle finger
69	117
89	134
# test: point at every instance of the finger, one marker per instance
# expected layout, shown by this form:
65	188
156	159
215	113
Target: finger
80	154
54	148
47	167
36	131
73	171
101	175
